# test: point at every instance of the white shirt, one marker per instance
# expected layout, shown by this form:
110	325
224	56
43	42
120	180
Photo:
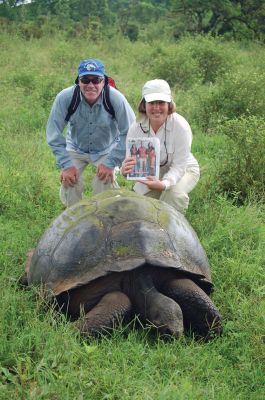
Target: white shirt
175	140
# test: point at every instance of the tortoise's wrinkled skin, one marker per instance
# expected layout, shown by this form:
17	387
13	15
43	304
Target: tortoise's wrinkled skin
119	254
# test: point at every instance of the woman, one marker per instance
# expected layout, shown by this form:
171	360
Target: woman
151	153
134	152
179	170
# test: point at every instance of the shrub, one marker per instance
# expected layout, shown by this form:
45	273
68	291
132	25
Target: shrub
176	66
240	93
132	31
30	30
192	61
240	169
213	57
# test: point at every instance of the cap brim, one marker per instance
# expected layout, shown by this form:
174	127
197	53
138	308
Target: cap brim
92	73
157	97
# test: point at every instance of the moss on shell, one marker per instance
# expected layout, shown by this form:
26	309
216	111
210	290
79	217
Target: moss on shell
122	251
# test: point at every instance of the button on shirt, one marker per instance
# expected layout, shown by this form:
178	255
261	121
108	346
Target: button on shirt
178	136
91	129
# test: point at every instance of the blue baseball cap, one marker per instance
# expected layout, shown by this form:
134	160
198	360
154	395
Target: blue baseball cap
91	67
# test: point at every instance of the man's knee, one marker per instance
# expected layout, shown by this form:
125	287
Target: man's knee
71	194
99	186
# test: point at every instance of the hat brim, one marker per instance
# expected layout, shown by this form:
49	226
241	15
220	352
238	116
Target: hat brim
157	97
92	73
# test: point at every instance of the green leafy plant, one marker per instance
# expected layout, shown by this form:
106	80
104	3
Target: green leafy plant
239	93
241	161
194	60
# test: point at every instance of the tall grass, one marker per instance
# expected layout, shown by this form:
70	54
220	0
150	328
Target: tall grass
42	355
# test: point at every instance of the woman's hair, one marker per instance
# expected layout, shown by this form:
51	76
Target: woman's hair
142	110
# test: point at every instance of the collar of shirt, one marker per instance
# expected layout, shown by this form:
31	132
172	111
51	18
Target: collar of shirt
160	134
147	129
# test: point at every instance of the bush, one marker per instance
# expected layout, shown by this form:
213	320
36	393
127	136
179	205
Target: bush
213	57
240	93
132	31
30	30
199	60
240	170
176	66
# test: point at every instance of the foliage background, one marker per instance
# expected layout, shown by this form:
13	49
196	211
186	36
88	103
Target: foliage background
218	86
149	18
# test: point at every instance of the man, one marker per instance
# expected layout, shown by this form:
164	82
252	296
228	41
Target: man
151	153
93	136
143	159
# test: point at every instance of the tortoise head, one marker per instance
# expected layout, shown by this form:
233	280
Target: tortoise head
167	317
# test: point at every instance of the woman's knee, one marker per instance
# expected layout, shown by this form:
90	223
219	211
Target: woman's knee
178	200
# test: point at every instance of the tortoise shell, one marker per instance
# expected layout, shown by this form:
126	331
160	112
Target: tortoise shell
116	231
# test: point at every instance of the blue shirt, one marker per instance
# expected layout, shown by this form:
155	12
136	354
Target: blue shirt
91	129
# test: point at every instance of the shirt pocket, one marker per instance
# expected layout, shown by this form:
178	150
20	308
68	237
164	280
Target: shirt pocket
170	148
105	130
78	120
166	152
103	134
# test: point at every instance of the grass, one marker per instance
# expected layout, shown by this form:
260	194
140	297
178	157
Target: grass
42	355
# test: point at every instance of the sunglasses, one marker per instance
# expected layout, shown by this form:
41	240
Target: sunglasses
96	80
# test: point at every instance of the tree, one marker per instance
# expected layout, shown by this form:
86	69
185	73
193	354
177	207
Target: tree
220	17
8	8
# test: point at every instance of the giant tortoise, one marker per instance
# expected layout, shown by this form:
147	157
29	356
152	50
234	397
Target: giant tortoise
118	255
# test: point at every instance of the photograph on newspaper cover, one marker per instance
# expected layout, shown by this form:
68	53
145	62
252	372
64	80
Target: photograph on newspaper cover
146	152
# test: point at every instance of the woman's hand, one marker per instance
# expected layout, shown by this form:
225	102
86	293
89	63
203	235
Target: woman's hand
153	183
127	165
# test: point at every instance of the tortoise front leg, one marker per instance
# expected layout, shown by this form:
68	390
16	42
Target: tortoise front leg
199	312
113	307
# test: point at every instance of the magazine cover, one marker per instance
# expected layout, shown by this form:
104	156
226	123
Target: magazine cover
146	152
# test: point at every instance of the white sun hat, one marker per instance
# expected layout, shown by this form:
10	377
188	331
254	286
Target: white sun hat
156	90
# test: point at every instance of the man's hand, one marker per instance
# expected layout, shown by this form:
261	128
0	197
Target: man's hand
105	174
69	176
153	183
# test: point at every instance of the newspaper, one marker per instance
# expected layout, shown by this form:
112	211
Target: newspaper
146	152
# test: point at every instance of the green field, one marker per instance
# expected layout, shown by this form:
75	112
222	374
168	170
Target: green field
219	87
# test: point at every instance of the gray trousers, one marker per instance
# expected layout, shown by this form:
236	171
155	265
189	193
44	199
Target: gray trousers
72	194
